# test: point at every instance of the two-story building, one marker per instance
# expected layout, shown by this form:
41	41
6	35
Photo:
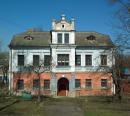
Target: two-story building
79	62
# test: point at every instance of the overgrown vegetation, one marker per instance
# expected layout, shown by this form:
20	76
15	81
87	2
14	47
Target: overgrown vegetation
104	106
91	106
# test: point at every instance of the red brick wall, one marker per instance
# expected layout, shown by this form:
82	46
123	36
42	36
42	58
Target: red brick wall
95	76
28	82
125	86
96	83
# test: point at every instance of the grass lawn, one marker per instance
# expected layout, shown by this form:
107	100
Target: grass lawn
23	108
91	105
103	106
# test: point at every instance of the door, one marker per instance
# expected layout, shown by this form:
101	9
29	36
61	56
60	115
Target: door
63	87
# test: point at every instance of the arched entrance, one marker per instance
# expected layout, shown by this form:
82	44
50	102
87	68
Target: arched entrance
62	87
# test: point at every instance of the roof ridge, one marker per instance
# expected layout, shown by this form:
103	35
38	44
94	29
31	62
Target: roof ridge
92	32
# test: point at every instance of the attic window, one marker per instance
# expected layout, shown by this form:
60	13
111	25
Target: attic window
28	37
63	26
91	37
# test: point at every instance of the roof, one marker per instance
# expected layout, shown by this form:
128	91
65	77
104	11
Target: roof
41	39
38	39
99	40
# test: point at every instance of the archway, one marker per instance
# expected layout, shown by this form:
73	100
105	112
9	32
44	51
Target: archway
63	87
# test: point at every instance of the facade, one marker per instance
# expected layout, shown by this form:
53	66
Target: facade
72	63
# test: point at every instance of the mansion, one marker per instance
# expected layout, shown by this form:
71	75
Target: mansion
68	62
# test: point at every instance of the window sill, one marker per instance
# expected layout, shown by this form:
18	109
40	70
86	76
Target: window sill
88	66
88	88
20	90
20	65
47	89
104	88
35	88
104	65
77	89
63	66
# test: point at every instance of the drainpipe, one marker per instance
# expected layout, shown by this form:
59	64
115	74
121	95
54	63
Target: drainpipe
10	70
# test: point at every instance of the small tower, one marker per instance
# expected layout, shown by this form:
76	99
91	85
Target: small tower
63	24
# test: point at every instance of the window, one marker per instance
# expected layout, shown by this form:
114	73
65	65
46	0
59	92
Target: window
59	38
28	38
77	83
20	84
63	60
104	83
66	38
88	83
36	83
78	60
88	60
1	78
47	60
46	84
103	59
63	26
20	60
91	37
35	60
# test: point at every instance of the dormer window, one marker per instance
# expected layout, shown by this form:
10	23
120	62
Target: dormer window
59	37
66	36
28	37
62	38
91	37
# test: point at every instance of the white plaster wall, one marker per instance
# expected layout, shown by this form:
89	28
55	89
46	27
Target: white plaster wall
72	60
28	55
67	26
54	58
58	26
96	61
71	37
71	51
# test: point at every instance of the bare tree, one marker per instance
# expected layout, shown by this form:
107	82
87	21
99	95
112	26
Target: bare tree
122	24
4	65
39	69
122	40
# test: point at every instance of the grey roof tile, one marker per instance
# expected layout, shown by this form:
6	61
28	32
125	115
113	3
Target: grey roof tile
40	39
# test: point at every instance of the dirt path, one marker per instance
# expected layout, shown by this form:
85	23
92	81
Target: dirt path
62	107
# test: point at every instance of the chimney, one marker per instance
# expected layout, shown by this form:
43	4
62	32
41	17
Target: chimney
30	30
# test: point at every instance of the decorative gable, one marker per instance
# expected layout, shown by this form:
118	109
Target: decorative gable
63	24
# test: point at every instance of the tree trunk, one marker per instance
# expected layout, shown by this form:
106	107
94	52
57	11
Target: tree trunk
39	89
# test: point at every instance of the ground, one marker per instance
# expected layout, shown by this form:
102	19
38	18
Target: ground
82	106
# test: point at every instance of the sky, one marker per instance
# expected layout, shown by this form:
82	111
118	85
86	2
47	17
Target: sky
17	16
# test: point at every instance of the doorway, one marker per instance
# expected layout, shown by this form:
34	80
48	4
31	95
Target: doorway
63	87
